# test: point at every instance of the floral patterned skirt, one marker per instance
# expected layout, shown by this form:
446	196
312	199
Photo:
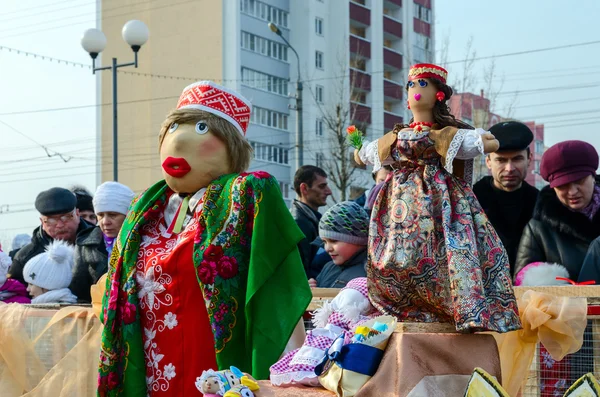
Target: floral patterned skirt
435	257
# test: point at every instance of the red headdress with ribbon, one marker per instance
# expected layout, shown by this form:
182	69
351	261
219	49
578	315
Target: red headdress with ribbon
427	70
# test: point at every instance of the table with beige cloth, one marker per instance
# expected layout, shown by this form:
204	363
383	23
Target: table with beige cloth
52	351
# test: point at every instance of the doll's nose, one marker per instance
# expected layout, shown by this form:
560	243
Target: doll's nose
417	97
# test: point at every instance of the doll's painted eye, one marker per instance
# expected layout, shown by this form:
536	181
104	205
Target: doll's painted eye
247	393
411	84
422	83
173	127
201	127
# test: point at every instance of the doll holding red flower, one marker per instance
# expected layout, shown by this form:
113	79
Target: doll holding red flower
433	254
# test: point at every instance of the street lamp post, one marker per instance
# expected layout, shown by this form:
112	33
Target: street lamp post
299	135
135	33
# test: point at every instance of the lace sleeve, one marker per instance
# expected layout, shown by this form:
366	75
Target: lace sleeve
466	145
472	144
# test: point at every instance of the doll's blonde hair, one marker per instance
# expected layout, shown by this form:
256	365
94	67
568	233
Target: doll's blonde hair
239	149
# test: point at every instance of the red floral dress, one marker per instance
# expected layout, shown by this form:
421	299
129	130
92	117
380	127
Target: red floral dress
177	336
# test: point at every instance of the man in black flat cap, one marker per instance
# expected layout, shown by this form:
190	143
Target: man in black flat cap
60	220
506	198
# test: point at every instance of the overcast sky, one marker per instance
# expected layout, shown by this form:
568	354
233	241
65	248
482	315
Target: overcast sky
559	88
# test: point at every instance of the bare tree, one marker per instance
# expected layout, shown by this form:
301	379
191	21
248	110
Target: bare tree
337	114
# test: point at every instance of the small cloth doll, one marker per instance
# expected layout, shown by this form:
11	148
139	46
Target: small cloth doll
349	308
217	383
210	384
246	389
346	367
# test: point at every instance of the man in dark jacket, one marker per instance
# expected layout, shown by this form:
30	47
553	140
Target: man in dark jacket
60	220
310	184
506	198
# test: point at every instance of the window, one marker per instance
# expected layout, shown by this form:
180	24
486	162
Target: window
539	147
261	10
536	164
320	160
358	97
318	59
360	32
319	26
263	81
264	46
358	63
269	118
319	127
285	189
270	153
319	93
422	13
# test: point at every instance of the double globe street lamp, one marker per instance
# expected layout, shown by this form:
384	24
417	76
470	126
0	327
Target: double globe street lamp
135	33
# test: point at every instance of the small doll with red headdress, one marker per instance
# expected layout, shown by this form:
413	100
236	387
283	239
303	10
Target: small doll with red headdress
433	254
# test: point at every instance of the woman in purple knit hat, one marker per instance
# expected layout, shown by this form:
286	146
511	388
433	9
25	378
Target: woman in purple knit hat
566	217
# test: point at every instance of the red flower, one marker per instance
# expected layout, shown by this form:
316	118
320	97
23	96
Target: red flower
207	272
261	174
213	253
128	313
227	267
113	380
351	129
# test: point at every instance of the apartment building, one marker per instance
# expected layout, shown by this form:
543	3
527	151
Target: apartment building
353	55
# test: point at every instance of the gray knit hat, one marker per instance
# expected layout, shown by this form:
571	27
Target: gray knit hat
347	222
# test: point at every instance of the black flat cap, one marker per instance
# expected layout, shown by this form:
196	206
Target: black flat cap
512	135
55	201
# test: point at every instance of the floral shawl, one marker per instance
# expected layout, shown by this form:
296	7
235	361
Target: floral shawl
246	257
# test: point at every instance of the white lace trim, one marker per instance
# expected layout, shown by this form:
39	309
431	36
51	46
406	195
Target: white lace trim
308	378
308	355
411	135
472	145
454	148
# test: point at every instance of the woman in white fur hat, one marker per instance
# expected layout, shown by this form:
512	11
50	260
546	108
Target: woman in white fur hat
49	274
111	202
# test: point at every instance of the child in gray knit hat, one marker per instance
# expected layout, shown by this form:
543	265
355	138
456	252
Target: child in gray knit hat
344	229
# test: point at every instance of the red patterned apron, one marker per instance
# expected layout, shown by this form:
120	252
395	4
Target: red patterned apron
178	340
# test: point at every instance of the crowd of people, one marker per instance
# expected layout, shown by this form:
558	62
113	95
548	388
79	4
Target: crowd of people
70	250
558	225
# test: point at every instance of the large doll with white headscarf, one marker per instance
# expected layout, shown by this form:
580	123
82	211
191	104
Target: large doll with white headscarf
205	271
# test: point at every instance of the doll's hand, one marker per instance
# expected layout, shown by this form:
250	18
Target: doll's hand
490	143
312	283
357	158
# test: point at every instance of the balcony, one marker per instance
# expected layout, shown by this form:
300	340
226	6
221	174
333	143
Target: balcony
360	47
397	3
392	27
392	90
424	3
360	80
391	58
390	119
360	113
360	14
421	27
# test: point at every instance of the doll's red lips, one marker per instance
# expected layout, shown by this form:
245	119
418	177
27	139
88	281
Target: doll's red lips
176	167
417	97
